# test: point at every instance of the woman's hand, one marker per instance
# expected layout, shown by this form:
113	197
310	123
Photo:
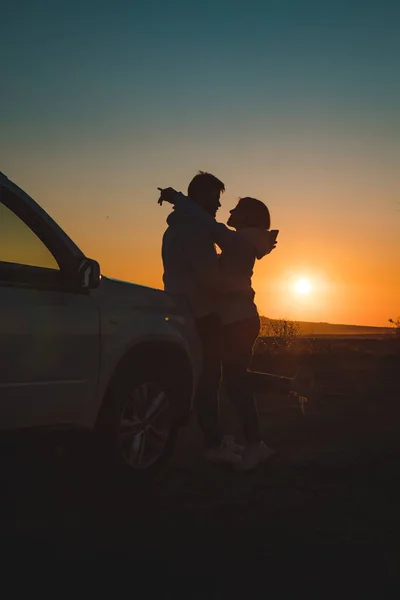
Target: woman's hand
167	195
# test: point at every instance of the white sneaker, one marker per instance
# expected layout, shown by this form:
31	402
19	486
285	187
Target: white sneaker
254	455
225	453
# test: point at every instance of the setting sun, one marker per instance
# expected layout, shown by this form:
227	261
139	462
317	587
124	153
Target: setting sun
303	286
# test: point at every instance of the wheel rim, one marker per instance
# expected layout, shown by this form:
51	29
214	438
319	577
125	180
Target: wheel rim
145	426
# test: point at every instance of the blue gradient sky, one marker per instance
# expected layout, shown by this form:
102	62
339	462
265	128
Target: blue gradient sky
297	103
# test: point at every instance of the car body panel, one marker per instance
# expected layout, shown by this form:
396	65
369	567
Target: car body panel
154	318
60	344
50	352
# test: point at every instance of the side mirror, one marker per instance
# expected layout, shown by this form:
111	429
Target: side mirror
89	275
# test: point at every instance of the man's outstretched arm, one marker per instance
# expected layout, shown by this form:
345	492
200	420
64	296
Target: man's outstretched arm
221	234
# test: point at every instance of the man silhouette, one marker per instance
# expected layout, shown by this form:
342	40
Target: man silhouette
191	270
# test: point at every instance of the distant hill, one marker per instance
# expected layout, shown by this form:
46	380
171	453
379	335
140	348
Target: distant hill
308	328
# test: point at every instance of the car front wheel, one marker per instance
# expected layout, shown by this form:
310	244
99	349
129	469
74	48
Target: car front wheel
139	421
145	425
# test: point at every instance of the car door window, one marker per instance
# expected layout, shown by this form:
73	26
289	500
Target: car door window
20	245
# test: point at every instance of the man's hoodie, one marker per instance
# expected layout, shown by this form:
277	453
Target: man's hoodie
193	269
191	264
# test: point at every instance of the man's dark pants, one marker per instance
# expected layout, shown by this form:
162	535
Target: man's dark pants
209	330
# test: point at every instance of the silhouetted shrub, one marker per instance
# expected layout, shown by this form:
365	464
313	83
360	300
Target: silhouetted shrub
282	333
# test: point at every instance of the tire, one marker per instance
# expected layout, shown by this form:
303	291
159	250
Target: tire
139	420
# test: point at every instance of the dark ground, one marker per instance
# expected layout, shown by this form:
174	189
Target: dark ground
325	507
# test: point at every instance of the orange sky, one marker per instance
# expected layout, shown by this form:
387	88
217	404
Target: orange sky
339	233
295	103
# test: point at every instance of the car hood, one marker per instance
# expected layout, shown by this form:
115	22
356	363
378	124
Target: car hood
131	295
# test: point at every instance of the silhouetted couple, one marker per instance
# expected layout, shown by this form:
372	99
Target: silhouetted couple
219	292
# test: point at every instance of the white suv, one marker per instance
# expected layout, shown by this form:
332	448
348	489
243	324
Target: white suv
81	350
